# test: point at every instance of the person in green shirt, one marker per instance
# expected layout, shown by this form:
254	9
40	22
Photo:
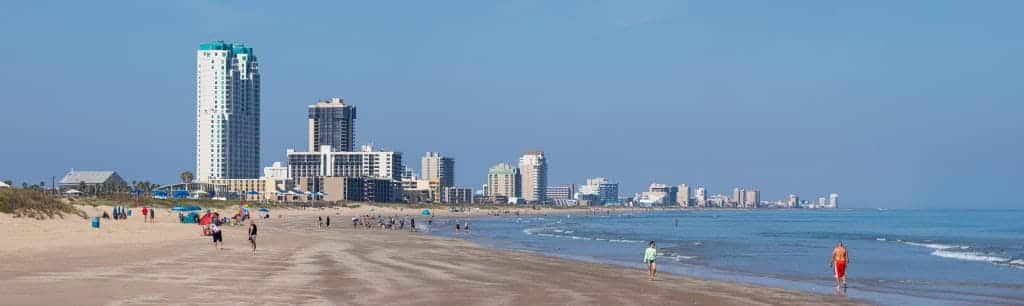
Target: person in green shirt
649	255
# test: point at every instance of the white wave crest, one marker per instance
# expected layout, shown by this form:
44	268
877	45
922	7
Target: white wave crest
968	256
937	246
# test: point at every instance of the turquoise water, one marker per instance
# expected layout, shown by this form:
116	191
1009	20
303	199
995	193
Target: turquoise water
896	257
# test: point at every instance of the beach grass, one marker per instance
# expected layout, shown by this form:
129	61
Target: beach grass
35	204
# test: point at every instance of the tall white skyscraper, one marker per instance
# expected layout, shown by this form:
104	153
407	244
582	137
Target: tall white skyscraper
227	112
833	200
534	170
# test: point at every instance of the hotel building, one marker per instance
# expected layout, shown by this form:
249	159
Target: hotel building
227	112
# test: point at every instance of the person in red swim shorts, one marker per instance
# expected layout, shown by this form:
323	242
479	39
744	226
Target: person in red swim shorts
840	258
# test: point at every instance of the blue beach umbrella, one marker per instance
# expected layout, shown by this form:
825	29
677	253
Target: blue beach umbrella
425	212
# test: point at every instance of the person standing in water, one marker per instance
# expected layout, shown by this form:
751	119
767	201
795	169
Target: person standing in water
649	256
838	261
252	235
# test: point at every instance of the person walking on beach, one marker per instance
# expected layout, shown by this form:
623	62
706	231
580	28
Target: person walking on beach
649	256
838	262
218	240
252	235
319	221
145	214
152	215
328	223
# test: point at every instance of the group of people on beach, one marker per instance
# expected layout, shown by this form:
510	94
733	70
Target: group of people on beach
218	234
386	223
148	214
838	262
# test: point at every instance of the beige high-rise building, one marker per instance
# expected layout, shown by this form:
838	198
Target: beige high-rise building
534	170
503	180
752	198
683	195
438	167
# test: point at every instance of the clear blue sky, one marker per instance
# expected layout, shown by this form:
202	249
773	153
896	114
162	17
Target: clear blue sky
912	104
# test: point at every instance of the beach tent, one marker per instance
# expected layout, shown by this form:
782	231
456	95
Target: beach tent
187	208
425	212
73	192
178	194
264	209
136	192
160	194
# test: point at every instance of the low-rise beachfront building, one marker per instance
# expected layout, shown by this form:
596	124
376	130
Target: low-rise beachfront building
457	195
4	185
91	182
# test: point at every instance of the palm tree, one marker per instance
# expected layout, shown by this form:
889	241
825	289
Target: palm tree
187	177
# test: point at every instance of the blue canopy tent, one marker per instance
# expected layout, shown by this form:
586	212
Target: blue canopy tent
160	194
178	194
137	192
254	192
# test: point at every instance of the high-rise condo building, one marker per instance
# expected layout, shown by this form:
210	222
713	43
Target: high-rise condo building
503	180
669	191
332	123
701	197
534	170
737	197
793	202
435	166
752	198
227	112
683	197
833	200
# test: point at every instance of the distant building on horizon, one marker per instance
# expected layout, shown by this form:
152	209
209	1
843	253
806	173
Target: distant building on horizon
433	165
821	202
752	198
227	112
833	200
533	167
683	196
701	197
793	201
669	191
332	123
503	180
561	194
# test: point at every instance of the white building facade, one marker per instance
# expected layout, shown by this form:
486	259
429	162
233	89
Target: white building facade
227	112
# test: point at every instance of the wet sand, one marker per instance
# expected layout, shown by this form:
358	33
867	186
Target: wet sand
297	263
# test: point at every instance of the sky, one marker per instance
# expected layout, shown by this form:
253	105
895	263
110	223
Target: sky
899	104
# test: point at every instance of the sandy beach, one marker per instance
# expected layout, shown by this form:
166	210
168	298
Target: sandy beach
129	262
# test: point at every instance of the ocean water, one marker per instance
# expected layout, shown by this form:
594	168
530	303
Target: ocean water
904	257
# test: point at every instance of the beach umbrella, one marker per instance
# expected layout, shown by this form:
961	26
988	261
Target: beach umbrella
254	192
425	212
264	209
136	191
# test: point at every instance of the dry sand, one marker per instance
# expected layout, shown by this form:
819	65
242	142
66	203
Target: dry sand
61	262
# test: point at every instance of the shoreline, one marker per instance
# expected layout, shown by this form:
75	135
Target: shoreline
298	263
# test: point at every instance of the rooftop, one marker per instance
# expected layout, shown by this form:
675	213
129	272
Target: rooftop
88	177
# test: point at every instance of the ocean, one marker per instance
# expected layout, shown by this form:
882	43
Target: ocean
905	257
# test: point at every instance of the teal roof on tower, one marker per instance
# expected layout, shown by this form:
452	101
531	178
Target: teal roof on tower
236	48
215	45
